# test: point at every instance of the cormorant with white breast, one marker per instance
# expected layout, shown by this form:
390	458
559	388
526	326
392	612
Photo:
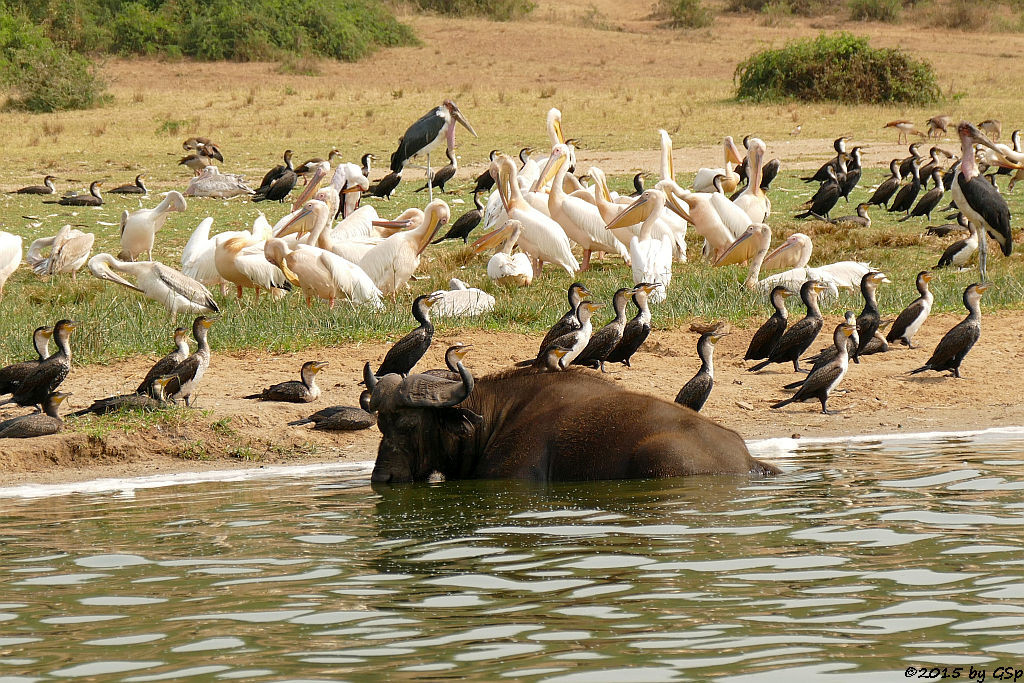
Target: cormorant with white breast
769	334
575	340
695	393
823	380
961	251
46	188
407	351
603	341
49	374
182	381
166	364
867	321
14	374
636	331
799	337
94	198
956	343
295	391
913	316
138	187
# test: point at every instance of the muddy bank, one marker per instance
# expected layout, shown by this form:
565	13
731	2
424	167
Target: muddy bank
226	431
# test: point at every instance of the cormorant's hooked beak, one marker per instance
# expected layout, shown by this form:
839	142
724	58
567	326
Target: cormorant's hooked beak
434	298
319	365
881	278
637	212
847	329
982	288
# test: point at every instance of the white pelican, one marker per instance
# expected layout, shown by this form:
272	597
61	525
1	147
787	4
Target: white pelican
753	199
364	222
504	267
795	253
542	238
391	263
212	183
701	213
580	219
460	300
322	273
704	180
240	261
198	258
175	290
652	257
69	250
10	257
735	218
139	228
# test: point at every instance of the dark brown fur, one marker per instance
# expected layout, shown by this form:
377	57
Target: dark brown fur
566	426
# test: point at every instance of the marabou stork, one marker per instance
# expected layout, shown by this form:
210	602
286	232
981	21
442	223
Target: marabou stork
427	133
977	199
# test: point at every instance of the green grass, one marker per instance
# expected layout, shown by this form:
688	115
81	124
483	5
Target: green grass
117	322
127	420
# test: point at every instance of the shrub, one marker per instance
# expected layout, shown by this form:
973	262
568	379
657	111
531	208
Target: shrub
875	10
41	76
684	13
838	68
498	10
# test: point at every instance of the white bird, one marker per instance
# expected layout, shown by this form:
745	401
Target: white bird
10	257
349	181
652	257
704	179
212	183
795	253
542	238
735	218
504	267
240	260
460	300
176	291
580	219
139	228
753	199
69	250
322	273
391	263
701	214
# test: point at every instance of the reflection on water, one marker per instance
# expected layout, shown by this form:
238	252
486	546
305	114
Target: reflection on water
865	557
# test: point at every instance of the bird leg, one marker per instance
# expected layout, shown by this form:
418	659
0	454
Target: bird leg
586	261
430	178
983	254
796	366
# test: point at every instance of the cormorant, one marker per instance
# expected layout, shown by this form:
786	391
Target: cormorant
769	334
823	380
695	393
867	321
913	316
46	188
407	351
36	424
956	343
603	341
138	187
466	223
166	364
14	374
94	198
636	331
181	382
295	391
799	337
884	192
49	374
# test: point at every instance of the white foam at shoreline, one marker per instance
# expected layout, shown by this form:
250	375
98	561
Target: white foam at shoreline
765	448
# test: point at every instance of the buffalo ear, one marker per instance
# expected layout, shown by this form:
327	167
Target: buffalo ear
364	400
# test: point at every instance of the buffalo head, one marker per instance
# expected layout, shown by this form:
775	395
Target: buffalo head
422	430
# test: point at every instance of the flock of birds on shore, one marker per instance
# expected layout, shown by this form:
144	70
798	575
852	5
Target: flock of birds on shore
540	207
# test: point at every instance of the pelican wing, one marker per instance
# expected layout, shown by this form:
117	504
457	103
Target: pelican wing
352	279
10	254
71	251
185	286
252	263
588	217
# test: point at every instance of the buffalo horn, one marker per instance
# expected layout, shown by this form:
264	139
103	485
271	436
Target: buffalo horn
369	378
426	391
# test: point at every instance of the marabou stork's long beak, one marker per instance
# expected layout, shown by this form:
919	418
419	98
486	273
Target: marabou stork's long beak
462	119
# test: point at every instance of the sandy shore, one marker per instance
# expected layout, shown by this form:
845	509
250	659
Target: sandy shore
880	398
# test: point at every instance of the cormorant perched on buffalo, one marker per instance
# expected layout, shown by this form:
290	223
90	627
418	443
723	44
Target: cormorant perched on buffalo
407	351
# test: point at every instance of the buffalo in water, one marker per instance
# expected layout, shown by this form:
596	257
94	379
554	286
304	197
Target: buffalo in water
526	424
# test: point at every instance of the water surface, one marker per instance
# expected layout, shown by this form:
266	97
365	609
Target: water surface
865	557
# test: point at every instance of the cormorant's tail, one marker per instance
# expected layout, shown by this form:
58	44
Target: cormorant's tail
760	366
782	403
920	369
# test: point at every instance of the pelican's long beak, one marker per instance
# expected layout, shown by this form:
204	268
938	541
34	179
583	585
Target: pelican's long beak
672	204
435	221
555	162
776	254
298	223
982	139
491	239
668	170
312	186
108	274
637	212
731	152
462	119
743	249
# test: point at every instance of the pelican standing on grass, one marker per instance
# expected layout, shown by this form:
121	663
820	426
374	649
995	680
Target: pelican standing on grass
240	260
176	291
322	273
422	137
69	250
391	263
139	228
651	257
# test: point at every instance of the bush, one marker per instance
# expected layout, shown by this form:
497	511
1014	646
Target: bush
684	13
41	76
498	10
875	10
837	68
